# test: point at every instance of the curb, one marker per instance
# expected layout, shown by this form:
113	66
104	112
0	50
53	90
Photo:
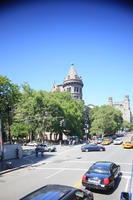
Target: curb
14	169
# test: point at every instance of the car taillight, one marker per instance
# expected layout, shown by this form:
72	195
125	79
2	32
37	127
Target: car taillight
84	178
106	181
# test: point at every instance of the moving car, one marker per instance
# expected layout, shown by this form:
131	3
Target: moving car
101	175
56	192
127	145
47	147
118	141
92	147
106	142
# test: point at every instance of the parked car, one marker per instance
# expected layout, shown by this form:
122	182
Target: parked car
56	192
118	141
33	144
48	147
101	175
92	147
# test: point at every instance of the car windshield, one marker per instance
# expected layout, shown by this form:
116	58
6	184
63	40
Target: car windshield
99	170
117	139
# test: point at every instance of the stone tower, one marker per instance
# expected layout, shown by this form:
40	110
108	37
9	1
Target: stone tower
123	106
127	102
73	83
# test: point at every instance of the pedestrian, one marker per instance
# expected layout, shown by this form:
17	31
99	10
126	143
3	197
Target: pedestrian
17	153
36	150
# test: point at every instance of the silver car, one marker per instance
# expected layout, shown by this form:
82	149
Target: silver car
118	141
48	147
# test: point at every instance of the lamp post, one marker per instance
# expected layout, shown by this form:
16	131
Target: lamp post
86	130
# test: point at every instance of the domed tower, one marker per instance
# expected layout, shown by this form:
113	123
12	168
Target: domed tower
73	83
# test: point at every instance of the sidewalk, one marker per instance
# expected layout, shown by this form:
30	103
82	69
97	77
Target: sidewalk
15	164
29	158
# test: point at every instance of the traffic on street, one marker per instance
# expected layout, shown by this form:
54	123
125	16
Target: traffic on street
67	166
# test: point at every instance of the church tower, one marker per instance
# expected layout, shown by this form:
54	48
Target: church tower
73	83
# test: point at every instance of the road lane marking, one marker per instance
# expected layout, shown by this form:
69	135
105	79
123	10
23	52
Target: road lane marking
54	174
126	188
82	161
126	172
78	184
59	168
75	169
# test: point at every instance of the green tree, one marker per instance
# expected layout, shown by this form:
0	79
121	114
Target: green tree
105	120
73	113
9	97
126	125
24	112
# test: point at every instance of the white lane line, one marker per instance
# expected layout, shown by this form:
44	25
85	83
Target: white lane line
59	168
126	177
54	174
126	188
82	161
74	169
126	172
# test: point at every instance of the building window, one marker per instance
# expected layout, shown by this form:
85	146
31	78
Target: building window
69	89
76	89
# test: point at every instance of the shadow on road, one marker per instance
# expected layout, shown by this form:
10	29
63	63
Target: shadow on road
14	164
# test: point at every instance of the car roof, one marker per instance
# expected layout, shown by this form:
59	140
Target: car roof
49	192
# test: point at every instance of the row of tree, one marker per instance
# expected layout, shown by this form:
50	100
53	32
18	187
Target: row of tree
26	112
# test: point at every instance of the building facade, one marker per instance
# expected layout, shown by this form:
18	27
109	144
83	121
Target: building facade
72	83
123	106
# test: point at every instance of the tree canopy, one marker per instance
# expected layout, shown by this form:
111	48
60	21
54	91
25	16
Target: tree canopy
105	120
42	111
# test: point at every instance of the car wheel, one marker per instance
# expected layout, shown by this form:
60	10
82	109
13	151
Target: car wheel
101	149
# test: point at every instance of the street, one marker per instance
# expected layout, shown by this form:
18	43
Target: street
66	166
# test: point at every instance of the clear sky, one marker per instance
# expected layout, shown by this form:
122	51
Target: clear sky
39	40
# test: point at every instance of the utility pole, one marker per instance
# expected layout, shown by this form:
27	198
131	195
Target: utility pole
1	140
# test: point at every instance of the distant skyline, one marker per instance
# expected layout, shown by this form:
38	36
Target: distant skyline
39	41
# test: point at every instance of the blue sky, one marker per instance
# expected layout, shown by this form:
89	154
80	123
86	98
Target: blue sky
40	40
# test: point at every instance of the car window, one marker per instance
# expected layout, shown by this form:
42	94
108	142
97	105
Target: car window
79	195
99	170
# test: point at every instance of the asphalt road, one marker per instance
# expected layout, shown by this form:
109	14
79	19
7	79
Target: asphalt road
66	166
